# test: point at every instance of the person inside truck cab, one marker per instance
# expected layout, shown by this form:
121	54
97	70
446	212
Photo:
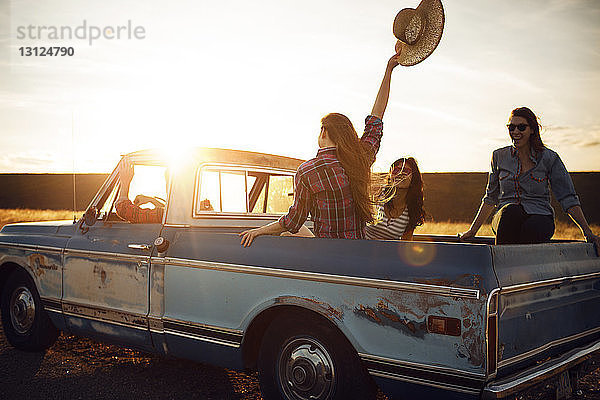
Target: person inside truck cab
334	187
400	205
133	211
519	186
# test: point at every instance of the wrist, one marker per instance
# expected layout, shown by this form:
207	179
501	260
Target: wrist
264	230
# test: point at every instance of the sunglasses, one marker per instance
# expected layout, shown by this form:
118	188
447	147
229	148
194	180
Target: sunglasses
520	127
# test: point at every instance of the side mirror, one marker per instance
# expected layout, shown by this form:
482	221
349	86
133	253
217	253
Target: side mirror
90	216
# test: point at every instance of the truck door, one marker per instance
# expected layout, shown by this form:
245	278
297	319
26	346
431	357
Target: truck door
106	270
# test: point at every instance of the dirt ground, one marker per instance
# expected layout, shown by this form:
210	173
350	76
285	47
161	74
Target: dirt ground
80	368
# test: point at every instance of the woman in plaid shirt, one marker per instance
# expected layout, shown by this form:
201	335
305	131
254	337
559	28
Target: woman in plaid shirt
334	187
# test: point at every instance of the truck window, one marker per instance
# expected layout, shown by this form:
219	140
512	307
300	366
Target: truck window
257	192
243	191
210	198
233	191
281	194
106	207
147	180
222	191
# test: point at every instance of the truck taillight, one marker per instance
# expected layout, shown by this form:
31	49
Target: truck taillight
443	325
492	333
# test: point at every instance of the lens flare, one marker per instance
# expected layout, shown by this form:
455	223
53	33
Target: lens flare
416	254
175	155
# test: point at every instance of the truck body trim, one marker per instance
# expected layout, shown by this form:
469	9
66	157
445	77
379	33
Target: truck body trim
549	282
547	346
411	364
319	277
109	255
229	337
539	373
33	247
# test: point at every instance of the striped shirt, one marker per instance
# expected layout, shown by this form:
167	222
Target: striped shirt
388	228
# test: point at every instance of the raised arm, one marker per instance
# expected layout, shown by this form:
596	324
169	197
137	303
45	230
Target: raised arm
384	90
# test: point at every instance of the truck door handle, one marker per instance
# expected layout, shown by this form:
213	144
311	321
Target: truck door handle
139	246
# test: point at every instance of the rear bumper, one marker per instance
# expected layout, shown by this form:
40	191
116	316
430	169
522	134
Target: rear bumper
515	383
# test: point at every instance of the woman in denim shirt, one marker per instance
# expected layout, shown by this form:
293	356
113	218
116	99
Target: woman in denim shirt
519	186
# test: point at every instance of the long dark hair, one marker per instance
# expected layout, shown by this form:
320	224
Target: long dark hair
535	140
414	201
356	160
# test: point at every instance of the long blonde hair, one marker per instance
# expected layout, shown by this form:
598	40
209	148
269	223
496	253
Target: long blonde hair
356	159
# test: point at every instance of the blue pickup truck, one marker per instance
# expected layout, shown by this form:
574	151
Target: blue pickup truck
318	318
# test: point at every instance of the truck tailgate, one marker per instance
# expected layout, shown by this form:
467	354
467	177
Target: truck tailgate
549	301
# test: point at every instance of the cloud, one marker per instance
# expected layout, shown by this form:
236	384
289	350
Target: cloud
56	162
32	161
490	75
585	136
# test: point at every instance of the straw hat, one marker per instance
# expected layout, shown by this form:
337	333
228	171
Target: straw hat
420	30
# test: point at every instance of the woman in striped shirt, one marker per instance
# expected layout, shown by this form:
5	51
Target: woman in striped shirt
400	208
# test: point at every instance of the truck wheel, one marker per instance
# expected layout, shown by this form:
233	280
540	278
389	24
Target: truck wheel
303	359
26	324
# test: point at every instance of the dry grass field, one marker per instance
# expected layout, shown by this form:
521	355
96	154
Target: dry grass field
563	230
10	215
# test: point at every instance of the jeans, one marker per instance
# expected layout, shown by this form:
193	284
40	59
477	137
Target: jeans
514	226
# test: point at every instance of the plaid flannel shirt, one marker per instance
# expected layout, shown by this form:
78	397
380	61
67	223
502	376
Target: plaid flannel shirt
323	191
134	214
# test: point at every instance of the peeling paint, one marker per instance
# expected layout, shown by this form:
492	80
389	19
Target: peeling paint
464	280
102	275
461	351
474	344
106	315
105	283
408	313
473	335
39	263
157	290
323	306
383	316
417	304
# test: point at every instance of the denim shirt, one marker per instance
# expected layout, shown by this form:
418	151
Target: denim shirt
509	184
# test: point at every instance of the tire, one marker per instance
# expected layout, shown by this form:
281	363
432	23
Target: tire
25	322
301	359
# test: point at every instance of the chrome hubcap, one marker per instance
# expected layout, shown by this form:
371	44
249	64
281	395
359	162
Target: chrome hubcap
22	310
306	370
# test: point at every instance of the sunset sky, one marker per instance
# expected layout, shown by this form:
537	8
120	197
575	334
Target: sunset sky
260	75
